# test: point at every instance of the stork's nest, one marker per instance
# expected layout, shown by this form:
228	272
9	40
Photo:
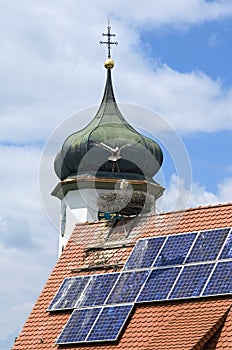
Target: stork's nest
124	202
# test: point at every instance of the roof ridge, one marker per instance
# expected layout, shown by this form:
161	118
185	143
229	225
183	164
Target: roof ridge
203	339
205	207
211	331
196	208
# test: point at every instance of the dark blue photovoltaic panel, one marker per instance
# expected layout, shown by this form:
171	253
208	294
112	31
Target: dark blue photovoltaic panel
144	253
227	249
110	323
221	280
69	293
127	287
159	284
191	281
78	326
175	249
98	289
207	245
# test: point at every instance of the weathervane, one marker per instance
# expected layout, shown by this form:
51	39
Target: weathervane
109	35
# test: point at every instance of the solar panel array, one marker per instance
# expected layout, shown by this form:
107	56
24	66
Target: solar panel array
83	291
95	324
187	265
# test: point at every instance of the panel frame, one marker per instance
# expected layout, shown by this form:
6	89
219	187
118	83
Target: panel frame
100	274
95	322
67	278
219	255
123	273
76	306
157	269
166	241
222	294
209	277
166	238
178	278
145	239
132	305
80	341
198	234
215	265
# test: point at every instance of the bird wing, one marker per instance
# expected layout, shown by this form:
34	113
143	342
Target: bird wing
129	145
104	146
113	150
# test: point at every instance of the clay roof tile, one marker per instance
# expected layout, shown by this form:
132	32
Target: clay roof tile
195	324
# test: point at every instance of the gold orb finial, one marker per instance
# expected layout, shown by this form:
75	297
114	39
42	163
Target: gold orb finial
109	63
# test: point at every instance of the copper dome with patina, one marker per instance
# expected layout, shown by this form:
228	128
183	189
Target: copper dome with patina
108	146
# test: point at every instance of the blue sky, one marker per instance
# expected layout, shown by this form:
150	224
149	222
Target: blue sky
173	58
205	47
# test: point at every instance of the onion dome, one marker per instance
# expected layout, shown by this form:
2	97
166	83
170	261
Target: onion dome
108	146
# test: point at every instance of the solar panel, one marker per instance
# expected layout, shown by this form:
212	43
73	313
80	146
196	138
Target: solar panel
207	245
98	289
221	280
227	249
159	284
162	268
68	293
127	287
191	281
78	326
110	323
144	253
175	249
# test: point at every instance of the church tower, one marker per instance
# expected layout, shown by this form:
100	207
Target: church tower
106	169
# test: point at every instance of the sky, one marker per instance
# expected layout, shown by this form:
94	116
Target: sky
173	58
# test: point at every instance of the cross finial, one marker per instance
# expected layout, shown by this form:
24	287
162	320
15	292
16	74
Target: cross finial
109	35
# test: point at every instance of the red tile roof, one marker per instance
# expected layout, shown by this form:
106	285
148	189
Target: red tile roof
200	324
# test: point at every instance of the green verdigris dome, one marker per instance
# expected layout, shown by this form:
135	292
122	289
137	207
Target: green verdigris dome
108	146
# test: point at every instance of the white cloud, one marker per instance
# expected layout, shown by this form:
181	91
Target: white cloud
51	65
225	190
18	175
16	233
23	276
178	196
192	102
28	244
176	13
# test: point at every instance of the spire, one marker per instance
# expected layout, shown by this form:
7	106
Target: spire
108	105
108	111
109	92
142	156
109	63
